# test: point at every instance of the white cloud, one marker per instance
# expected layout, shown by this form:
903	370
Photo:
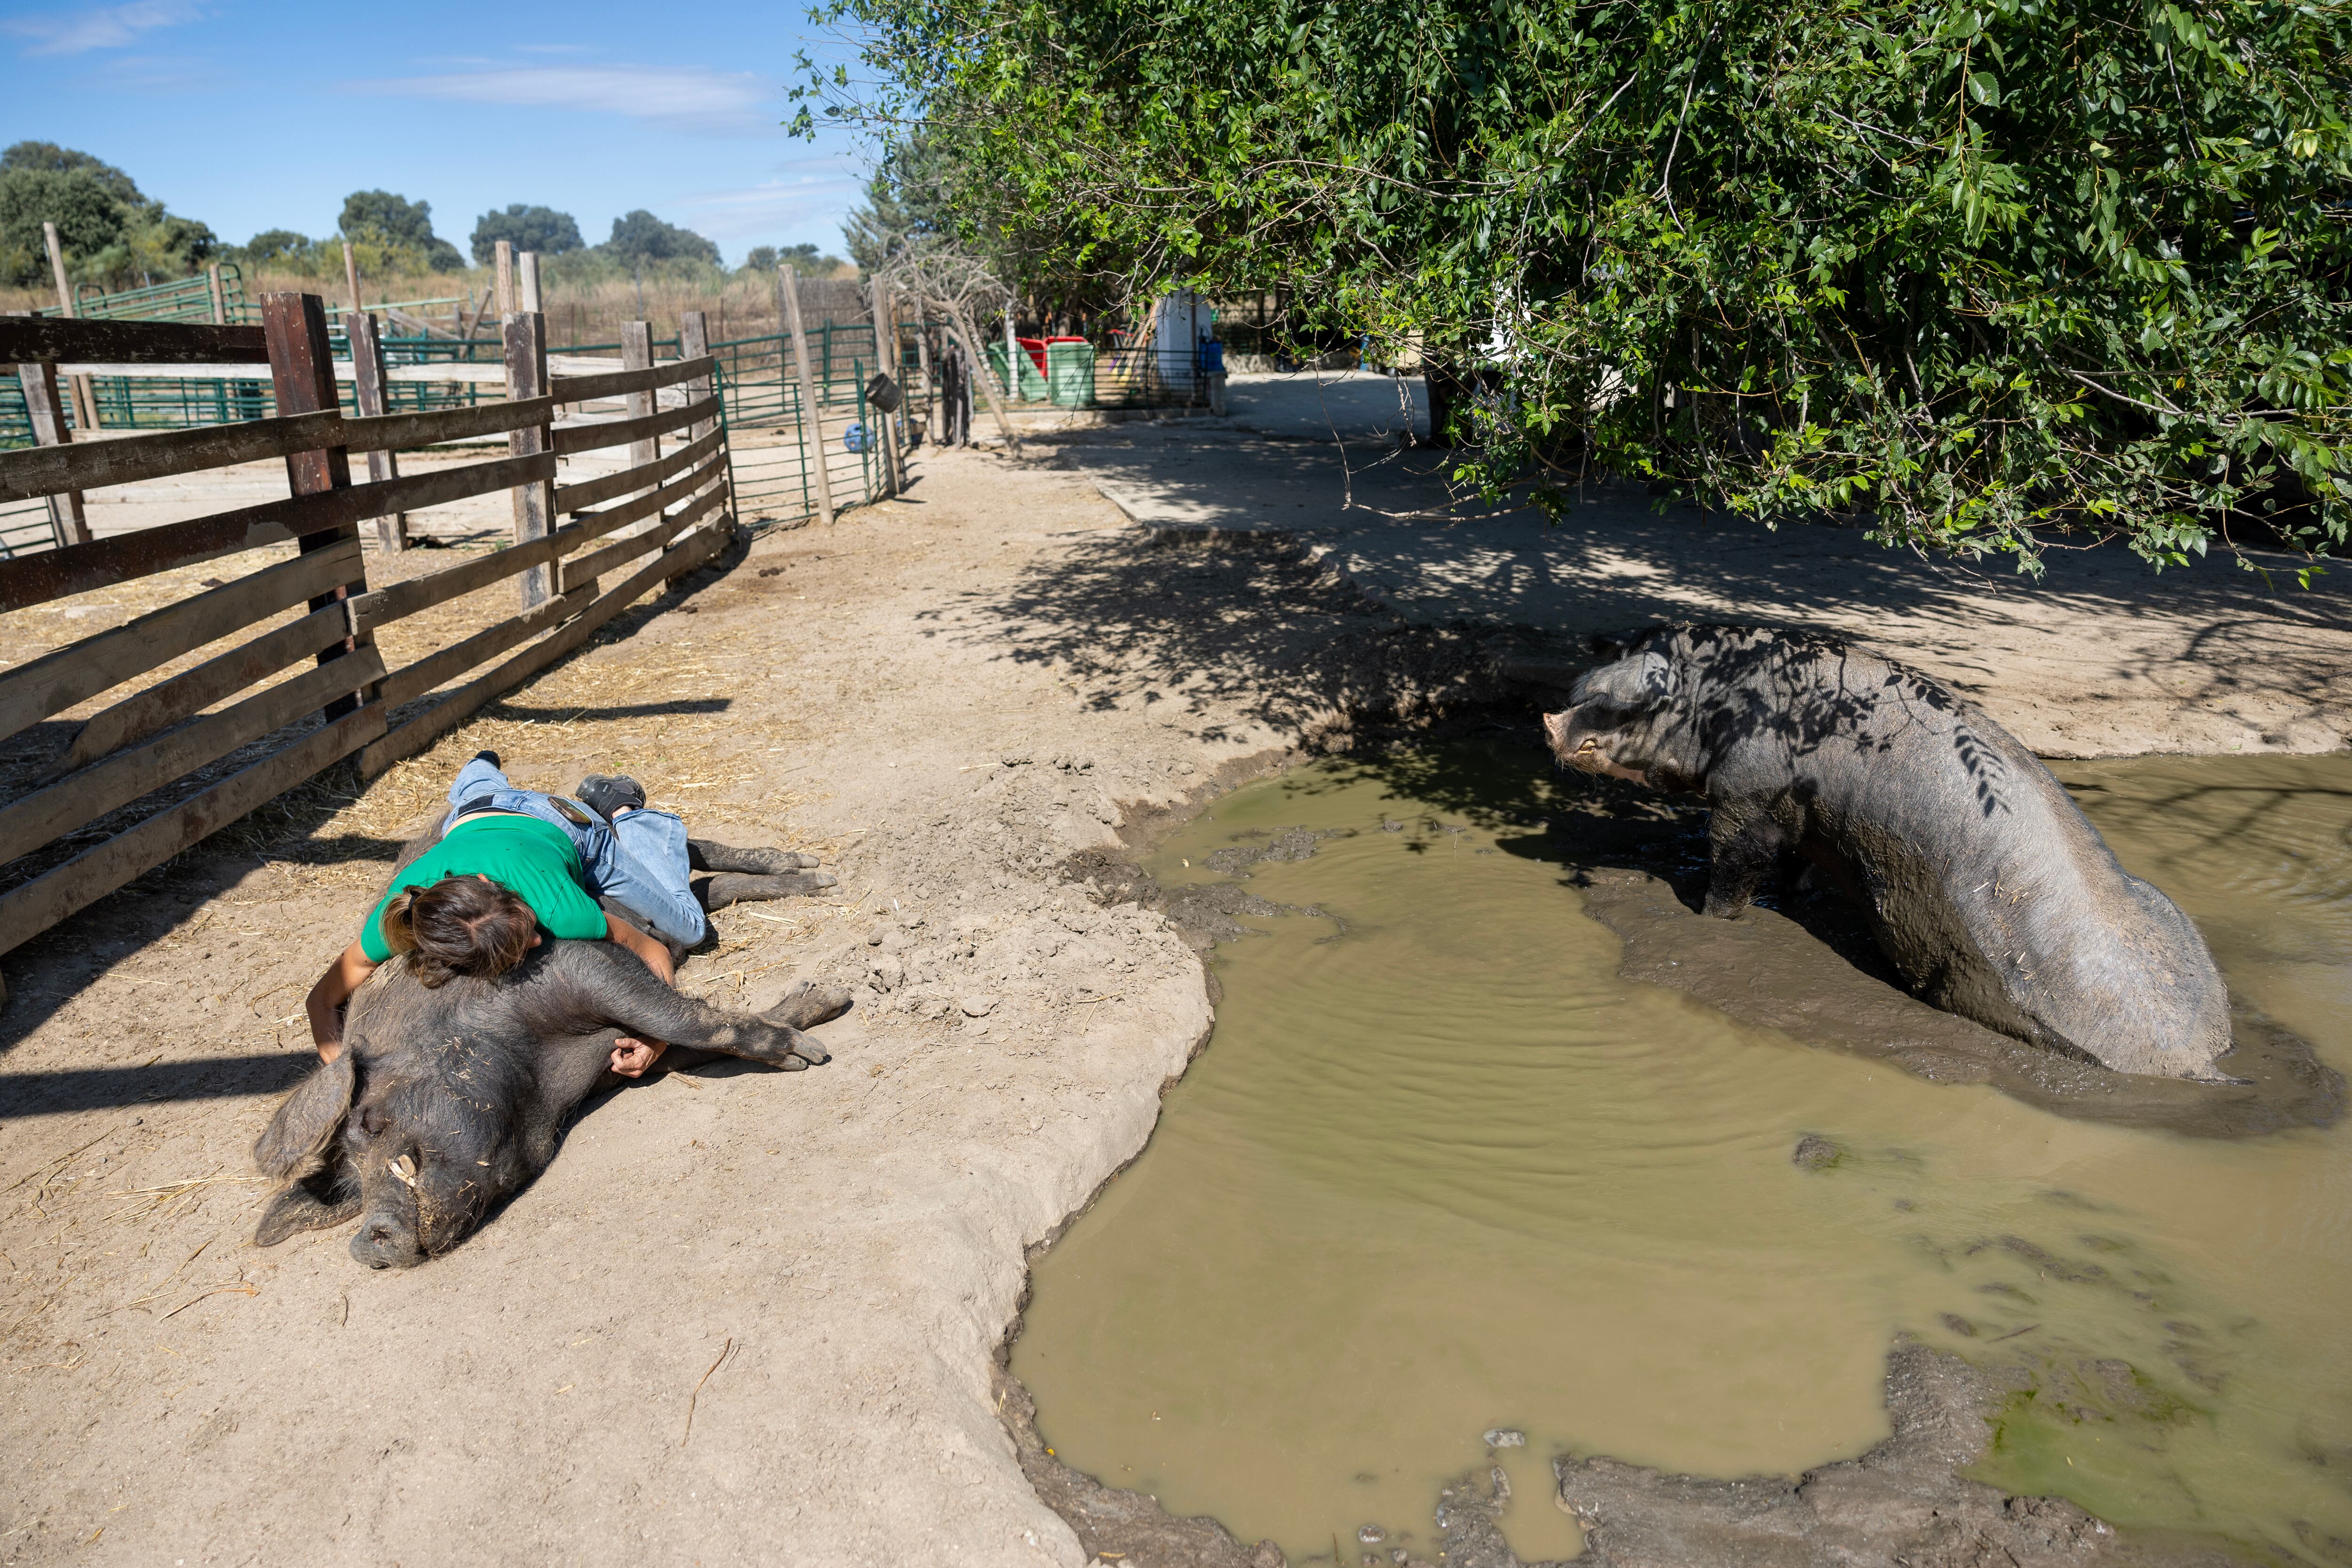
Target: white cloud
705	102
808	204
109	28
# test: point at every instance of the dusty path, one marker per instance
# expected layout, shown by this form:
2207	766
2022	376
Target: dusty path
951	697
855	1233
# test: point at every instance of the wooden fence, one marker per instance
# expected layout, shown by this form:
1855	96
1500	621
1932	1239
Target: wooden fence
574	574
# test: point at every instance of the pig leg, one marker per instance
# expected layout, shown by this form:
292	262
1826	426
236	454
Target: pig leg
804	1006
654	1012
727	888
1746	850
703	854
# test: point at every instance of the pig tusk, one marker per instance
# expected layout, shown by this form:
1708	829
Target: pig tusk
403	1168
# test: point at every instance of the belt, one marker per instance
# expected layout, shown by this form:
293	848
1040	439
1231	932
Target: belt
578	815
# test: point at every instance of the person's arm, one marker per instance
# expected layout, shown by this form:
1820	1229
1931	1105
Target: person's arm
652	949
325	1002
631	1056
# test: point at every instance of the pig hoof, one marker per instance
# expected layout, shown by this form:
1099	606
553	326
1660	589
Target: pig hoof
807	1005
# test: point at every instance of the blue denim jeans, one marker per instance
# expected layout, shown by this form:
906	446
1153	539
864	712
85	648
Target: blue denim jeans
638	862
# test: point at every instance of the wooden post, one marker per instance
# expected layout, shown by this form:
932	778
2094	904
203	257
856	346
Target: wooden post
67	520
85	399
534	503
693	343
220	296
351	277
923	368
892	359
527	272
302	374
503	265
367	387
885	359
637	353
812	417
969	341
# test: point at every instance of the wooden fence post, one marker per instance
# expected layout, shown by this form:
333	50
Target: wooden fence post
351	277
67	521
969	341
885	356
367	387
637	353
534	503
527	270
693	343
811	416
302	375
502	254
85	397
923	368
220	295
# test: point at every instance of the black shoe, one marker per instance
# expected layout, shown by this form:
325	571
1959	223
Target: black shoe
491	758
611	793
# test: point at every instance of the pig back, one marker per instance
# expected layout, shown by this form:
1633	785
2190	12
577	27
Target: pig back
1992	893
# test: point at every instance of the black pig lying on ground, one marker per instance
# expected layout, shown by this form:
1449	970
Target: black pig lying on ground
447	1101
1983	883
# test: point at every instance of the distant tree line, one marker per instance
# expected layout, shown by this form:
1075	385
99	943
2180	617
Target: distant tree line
115	235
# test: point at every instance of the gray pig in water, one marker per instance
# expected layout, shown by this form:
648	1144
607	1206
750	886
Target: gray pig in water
1983	881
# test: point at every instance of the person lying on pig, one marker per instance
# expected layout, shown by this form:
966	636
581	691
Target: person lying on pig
511	864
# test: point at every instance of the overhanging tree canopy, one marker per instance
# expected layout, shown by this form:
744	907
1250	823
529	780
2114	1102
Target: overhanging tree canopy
1972	269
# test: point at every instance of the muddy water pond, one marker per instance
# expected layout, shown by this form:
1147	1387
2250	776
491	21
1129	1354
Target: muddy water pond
1444	1176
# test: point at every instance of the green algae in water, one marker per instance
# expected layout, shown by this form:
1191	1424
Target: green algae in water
1442	1171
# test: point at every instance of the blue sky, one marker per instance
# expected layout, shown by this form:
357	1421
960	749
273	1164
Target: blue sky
249	115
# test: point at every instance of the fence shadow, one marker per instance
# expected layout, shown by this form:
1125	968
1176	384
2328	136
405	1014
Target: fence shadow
60	964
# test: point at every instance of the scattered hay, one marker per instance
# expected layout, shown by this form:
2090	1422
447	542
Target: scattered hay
160	1202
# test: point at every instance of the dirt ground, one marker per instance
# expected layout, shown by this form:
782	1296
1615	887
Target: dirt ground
746	1317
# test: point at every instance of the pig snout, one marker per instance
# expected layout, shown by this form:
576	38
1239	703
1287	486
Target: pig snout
1584	748
386	1241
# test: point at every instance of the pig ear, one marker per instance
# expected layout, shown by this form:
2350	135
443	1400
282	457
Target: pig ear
307	1119
1641	681
1654	676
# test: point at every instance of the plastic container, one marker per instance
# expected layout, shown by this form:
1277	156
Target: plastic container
1070	372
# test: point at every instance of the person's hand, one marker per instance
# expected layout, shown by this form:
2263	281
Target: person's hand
631	1057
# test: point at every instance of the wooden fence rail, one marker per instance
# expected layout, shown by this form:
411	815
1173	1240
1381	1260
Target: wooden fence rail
164	742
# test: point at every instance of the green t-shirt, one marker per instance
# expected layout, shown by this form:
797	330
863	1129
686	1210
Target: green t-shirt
533	859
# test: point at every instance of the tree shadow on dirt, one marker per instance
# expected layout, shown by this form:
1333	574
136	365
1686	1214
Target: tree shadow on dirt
1218	624
1615	562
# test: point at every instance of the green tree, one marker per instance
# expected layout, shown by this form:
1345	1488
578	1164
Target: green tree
540	229
402	227
57	160
640	237
911	193
1968	269
89	217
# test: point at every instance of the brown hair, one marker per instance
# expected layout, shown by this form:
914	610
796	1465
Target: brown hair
458	925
